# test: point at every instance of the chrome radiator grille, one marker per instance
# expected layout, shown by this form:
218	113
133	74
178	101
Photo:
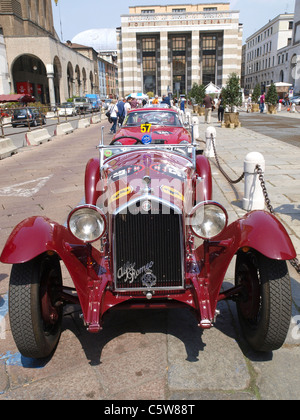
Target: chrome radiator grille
148	251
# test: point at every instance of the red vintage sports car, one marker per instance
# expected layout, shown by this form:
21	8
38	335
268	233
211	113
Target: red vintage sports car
155	125
149	235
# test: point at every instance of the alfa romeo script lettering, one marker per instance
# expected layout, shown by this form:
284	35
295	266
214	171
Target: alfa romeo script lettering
128	273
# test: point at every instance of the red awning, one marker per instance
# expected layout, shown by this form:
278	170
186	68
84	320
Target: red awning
17	98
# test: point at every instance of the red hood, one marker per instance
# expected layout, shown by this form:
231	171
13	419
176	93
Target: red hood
170	177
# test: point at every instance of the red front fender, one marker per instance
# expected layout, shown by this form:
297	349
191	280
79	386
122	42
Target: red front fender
35	236
258	230
203	170
262	231
92	178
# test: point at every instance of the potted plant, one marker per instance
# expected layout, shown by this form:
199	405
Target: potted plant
196	95
232	97
255	97
272	99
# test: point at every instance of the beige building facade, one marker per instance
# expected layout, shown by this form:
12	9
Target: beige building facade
169	48
36	62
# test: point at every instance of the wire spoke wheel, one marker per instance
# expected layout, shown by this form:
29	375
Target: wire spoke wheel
264	305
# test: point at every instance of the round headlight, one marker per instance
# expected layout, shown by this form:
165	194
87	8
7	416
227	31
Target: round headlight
208	220
87	223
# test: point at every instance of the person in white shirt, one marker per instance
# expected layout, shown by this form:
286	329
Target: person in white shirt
114	117
127	107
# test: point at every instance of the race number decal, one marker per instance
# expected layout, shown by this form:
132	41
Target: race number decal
126	171
168	170
145	128
121	193
172	192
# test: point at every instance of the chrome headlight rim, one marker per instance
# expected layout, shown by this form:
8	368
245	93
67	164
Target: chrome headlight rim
92	211
201	207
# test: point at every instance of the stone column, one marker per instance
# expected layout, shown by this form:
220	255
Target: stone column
164	64
195	58
50	75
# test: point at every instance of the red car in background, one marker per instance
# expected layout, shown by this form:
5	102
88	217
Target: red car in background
153	125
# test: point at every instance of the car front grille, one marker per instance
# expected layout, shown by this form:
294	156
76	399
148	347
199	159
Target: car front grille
148	249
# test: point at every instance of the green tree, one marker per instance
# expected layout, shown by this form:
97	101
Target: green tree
231	93
272	95
256	93
197	94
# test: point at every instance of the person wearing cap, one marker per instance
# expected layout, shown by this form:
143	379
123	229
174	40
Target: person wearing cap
155	100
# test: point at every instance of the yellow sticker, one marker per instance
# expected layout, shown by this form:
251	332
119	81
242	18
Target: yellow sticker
171	191
121	193
145	128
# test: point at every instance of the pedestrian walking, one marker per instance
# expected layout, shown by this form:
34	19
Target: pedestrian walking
127	107
221	109
113	109
249	103
166	100
262	103
208	103
182	103
121	111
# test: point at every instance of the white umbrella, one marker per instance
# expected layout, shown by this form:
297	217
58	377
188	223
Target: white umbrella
138	95
211	88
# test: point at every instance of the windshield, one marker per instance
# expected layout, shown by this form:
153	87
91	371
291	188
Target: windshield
108	151
164	118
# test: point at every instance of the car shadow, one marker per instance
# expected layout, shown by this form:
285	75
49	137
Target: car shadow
291	210
179	322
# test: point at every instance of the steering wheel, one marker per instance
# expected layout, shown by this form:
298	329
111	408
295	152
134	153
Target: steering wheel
137	141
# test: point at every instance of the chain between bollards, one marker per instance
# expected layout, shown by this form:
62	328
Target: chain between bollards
294	262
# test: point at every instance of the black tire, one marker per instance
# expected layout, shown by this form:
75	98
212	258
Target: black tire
265	304
35	320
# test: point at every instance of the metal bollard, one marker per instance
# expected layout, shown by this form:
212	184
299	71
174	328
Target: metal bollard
195	124
210	134
253	194
279	107
187	117
181	116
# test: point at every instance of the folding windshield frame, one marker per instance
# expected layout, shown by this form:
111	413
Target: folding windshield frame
167	147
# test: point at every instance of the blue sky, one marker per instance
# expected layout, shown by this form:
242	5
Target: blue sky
77	16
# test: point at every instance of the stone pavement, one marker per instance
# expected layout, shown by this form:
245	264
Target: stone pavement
162	355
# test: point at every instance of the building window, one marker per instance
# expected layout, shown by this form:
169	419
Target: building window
210	9
149	64
178	10
147	11
179	63
209	57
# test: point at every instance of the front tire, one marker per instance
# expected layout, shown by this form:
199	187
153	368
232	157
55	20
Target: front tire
265	304
35	318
